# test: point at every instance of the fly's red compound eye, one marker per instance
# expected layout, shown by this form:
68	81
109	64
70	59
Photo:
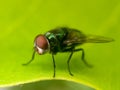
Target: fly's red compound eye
41	44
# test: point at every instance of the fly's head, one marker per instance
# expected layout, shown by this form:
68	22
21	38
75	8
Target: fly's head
41	44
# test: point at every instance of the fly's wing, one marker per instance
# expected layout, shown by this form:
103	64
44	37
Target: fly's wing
74	41
97	39
74	37
88	39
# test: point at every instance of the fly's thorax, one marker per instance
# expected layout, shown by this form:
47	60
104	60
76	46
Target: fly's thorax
41	44
53	41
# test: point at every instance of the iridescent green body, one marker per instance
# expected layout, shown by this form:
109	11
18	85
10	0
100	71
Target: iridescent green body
62	39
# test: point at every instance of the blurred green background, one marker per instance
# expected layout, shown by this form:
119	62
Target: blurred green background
22	20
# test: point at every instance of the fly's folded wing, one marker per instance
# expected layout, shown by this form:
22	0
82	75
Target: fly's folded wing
87	39
98	39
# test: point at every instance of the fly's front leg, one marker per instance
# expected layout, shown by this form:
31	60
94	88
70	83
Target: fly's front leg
33	55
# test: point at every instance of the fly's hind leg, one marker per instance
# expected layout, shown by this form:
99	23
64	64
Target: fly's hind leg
83	57
72	50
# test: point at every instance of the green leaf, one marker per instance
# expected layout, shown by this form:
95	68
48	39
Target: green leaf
50	85
22	20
